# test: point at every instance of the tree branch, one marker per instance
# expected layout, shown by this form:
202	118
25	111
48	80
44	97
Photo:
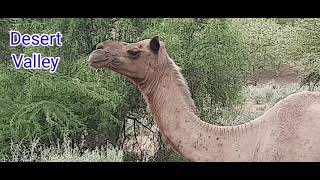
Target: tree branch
124	133
135	136
135	119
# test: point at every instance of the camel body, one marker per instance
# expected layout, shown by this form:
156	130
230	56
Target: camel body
289	131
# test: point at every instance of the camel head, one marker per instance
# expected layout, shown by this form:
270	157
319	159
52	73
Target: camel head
133	60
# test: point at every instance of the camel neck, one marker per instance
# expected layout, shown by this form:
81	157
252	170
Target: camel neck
174	112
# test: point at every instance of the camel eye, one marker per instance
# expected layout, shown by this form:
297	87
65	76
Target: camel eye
133	52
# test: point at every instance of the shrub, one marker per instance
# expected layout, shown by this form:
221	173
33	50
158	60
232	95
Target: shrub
67	151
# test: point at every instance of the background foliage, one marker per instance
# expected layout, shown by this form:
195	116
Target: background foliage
217	57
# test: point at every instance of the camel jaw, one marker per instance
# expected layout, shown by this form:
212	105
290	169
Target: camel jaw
98	59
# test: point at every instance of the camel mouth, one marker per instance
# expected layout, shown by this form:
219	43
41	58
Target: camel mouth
99	60
98	64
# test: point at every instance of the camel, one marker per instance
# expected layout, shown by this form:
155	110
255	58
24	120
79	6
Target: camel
289	131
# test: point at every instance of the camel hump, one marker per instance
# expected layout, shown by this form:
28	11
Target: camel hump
308	93
304	97
294	103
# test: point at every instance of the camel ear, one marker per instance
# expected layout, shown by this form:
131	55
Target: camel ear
155	44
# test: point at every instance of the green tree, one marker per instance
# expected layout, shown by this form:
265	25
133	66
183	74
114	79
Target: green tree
4	39
308	45
211	56
270	42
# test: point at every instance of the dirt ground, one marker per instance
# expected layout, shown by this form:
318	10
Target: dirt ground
286	74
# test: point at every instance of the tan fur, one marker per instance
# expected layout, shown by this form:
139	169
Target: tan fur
289	131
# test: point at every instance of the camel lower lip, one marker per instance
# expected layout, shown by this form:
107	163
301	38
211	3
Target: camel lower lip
98	65
94	65
97	61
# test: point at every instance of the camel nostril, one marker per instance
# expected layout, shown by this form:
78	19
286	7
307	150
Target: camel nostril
99	46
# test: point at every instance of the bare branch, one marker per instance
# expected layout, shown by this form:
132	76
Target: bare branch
135	119
135	136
